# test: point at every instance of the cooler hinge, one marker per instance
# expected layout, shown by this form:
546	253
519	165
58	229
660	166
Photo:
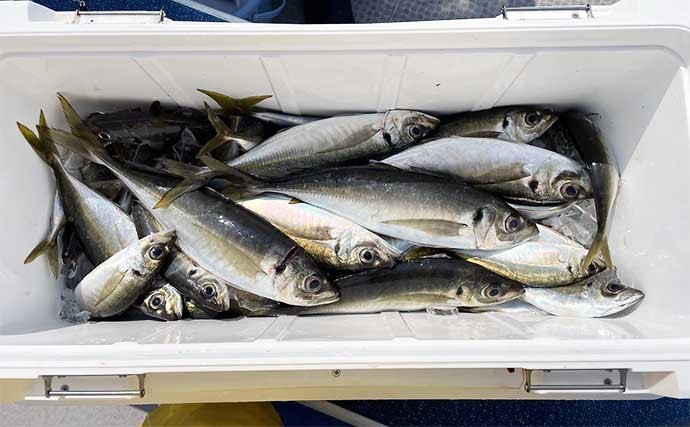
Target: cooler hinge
547	12
566	380
118	17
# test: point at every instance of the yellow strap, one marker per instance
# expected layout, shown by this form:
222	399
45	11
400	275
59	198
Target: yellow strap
214	415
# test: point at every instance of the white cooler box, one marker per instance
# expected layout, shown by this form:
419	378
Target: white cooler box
627	62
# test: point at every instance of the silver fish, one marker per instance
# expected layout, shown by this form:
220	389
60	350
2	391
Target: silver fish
227	240
419	208
164	302
605	177
439	284
334	141
515	171
101	225
547	261
115	284
48	246
514	124
331	240
597	296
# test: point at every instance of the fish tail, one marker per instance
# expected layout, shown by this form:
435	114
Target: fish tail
89	149
599	245
193	178
75	122
223	135
46	247
231	105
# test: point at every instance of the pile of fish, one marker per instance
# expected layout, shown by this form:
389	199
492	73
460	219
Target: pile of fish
241	211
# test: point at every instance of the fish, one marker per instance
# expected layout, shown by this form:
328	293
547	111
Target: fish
49	245
422	209
427	284
335	141
114	285
514	124
103	228
225	239
597	296
331	240
247	106
518	172
163	302
605	177
157	128
549	260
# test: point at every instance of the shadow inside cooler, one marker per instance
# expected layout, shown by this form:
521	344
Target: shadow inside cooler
639	92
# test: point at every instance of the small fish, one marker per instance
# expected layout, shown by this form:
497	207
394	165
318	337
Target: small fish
419	208
101	225
163	302
439	284
48	246
115	284
605	177
514	124
335	141
518	172
597	296
227	240
547	261
331	240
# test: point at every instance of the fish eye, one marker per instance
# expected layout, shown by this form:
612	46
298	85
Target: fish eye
512	223
156	302
532	118
312	284
103	135
415	131
493	290
570	190
209	290
367	256
592	268
614	288
157	252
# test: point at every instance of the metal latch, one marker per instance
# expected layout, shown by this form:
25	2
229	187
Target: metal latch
118	17
606	384
65	390
547	12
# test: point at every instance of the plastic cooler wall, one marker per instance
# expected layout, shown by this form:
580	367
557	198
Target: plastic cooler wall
640	93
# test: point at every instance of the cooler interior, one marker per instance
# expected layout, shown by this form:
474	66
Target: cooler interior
640	93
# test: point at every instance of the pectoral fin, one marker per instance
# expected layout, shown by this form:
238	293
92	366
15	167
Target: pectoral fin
501	173
436	227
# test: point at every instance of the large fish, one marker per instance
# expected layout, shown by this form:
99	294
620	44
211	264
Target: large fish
547	261
514	124
427	284
103	228
227	240
114	285
597	296
515	171
605	177
419	208
333	241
